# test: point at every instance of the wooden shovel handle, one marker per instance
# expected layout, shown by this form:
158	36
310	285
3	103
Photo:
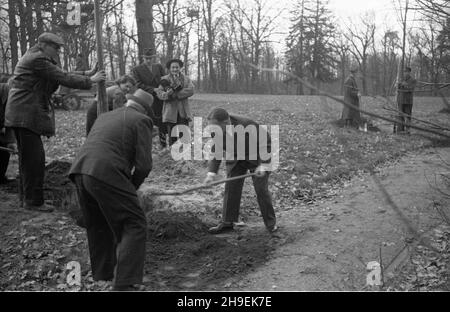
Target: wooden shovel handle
205	186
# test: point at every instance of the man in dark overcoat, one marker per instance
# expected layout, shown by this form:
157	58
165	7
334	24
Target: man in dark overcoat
148	76
405	100
239	160
351	116
30	113
107	171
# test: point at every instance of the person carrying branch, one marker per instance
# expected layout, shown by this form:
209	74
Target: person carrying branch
29	111
351	116
107	171
405	100
237	165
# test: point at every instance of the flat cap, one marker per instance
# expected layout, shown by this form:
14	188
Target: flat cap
48	37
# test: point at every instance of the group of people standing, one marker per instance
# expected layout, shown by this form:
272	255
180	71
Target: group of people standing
170	94
351	116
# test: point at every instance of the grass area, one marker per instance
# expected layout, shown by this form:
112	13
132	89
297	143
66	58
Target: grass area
315	154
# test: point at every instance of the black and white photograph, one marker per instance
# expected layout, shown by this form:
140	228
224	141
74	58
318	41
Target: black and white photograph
223	152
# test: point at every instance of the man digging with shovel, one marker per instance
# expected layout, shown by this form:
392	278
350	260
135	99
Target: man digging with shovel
237	165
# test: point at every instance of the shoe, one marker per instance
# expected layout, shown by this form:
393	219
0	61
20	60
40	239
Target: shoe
221	228
41	208
273	229
6	180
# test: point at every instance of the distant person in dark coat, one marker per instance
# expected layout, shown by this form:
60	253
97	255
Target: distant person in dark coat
7	138
405	100
148	76
116	97
351	116
235	167
30	113
108	169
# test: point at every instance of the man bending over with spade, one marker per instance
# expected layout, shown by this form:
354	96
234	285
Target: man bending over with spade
239	160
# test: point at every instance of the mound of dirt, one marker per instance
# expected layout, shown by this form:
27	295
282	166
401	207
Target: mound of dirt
57	186
175	226
183	255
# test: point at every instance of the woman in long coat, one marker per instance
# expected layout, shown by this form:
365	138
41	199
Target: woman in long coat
176	109
351	96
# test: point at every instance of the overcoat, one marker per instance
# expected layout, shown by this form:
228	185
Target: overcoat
178	103
118	150
351	96
35	78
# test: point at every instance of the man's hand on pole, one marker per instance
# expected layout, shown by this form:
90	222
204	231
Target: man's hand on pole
99	76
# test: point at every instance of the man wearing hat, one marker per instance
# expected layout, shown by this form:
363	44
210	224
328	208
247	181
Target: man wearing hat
350	115
405	100
111	165
148	76
30	113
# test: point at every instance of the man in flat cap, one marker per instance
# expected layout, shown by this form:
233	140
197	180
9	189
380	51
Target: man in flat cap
109	168
30	114
148	77
405	100
351	116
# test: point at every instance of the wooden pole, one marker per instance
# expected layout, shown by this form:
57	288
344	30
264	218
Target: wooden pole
102	105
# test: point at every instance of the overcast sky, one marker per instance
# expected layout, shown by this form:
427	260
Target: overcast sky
386	16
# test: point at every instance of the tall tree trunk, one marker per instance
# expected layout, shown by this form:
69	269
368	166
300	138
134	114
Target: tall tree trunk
210	44
13	32
22	27
39	20
120	41
144	22
31	31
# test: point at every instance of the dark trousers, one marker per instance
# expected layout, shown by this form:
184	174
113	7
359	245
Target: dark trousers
233	193
406	109
4	161
116	231
169	126
157	107
31	165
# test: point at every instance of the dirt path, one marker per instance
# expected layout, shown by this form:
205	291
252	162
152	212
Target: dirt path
329	244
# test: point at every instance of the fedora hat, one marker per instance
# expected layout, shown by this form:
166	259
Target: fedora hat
149	52
143	98
174	61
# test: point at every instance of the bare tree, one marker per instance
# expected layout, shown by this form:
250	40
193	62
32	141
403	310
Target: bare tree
361	39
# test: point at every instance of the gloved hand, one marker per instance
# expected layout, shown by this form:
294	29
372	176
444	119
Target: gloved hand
211	177
261	170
